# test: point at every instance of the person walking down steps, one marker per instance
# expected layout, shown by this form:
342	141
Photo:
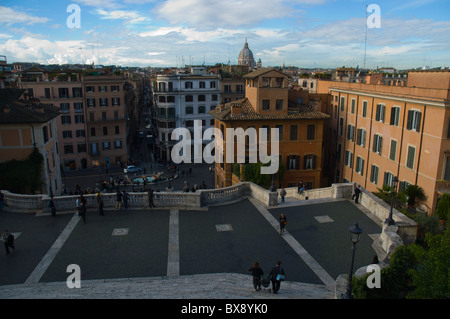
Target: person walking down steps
8	240
283	222
277	275
257	272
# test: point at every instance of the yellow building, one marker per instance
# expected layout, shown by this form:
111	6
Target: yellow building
266	105
25	124
385	131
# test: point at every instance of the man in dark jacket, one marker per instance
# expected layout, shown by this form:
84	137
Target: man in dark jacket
275	277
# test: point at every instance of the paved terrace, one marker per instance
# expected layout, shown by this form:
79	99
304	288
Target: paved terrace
181	252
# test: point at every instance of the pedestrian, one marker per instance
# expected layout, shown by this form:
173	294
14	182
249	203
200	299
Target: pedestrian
101	204
300	188
282	194
276	276
78	203
2	197
118	200
357	193
83	208
125	199
150	198
283	222
257	272
354	191
8	240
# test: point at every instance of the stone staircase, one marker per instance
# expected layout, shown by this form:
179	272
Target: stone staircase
207	286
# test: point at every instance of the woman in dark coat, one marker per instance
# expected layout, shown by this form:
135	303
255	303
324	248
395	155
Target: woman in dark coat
257	272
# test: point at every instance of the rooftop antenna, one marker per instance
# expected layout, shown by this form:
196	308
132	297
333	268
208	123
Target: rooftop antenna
98	54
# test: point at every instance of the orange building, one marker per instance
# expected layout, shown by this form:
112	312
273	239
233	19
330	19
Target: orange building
25	124
385	131
266	105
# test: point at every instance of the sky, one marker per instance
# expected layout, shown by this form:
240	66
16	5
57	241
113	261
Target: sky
160	33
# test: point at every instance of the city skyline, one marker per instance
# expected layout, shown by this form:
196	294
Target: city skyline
302	33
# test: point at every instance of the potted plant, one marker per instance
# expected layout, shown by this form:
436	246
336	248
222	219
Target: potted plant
443	208
414	193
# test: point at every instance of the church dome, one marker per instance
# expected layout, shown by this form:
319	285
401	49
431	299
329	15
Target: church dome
246	56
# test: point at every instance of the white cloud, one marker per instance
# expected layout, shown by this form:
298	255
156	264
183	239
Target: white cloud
129	16
11	16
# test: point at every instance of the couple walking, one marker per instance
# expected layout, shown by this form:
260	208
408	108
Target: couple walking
276	275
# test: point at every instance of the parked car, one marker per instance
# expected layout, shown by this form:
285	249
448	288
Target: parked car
131	169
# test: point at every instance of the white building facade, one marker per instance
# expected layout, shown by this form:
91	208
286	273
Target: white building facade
180	99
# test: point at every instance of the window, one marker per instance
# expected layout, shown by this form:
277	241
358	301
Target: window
201	109
379	116
188	85
91	102
341	126
201	98
171	99
77	92
68	149
47	93
189	98
103	101
214	97
309	162
65	119
279	105
212	84
117	129
342	103
364	110
202	85
81	133
67	134
114	88
388	177
94	148
63	93
393	150
65	107
374	174
90	89
106	145
102	88
280	131
293	132
339	152
189	110
239	88
395	116
351	132
227	88
292	162
78	107
410	157
413	122
311	132
348	160
105	130
266	105
92	131
79	119
377	143
360	165
117	144
115	101
353	106
361	137
104	118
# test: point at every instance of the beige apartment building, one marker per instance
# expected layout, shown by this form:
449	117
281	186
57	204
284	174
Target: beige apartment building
386	131
92	124
26	124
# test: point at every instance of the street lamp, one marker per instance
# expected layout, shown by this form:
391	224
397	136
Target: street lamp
390	221
355	232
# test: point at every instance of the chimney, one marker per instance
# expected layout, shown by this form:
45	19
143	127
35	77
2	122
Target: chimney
236	108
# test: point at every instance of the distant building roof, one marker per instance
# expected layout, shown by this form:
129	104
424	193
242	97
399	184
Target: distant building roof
260	72
248	113
15	110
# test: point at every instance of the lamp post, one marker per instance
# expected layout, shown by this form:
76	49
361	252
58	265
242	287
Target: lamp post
355	232
390	221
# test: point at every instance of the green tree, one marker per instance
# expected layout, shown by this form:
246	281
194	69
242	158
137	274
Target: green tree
443	207
431	277
414	192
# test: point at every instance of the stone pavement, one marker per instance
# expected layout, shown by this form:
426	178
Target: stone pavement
165	280
207	286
